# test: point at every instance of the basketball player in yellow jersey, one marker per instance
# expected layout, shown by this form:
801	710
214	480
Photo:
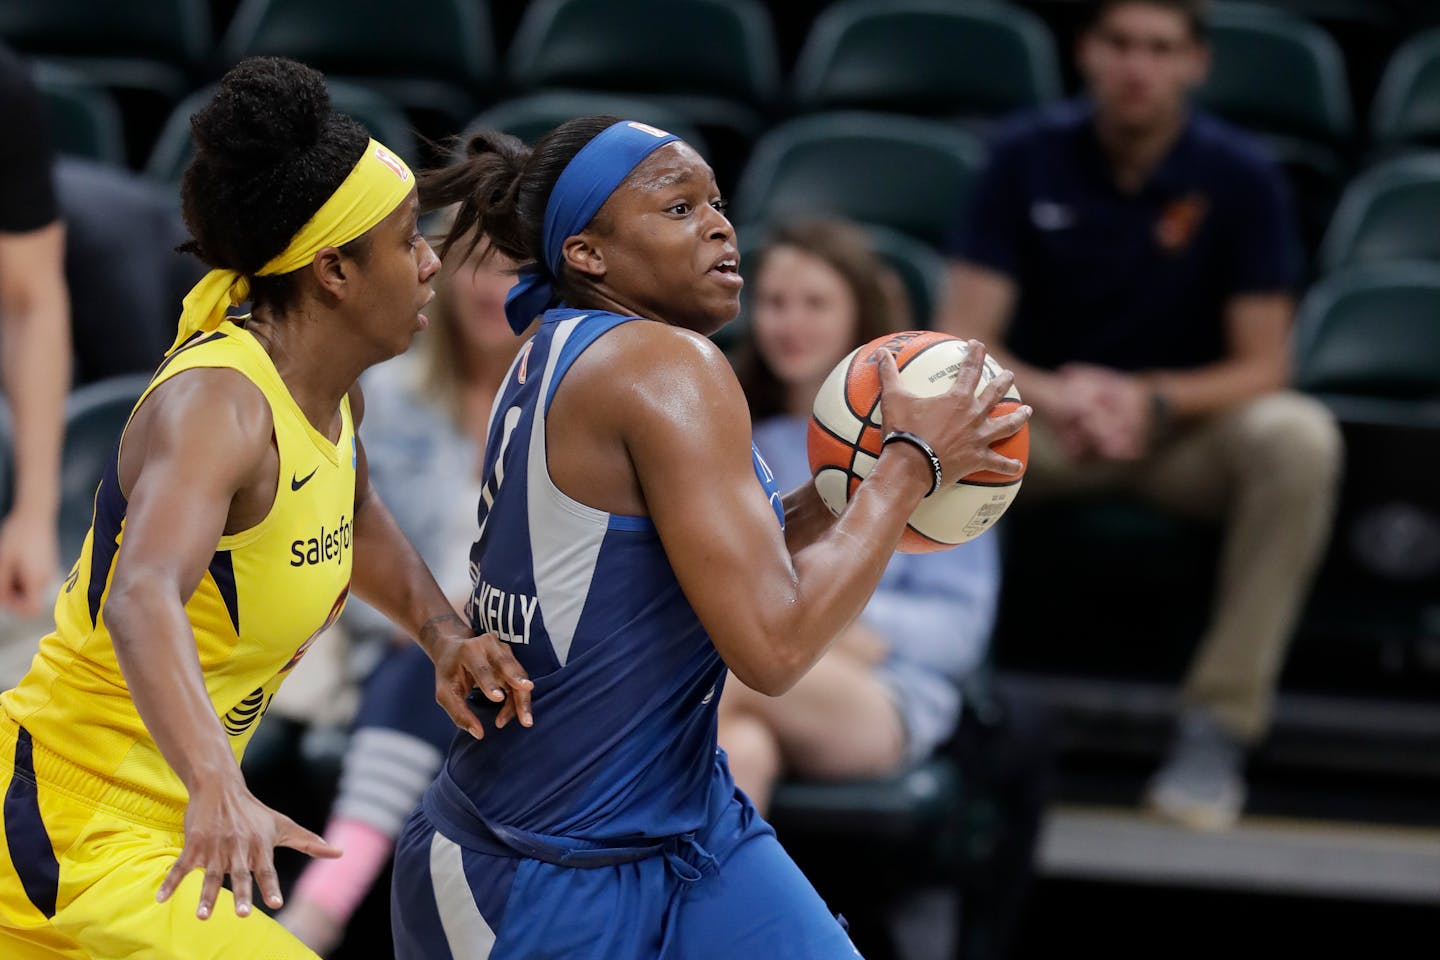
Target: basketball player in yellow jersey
231	526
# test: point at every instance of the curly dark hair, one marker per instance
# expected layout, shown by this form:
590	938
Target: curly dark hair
269	151
500	188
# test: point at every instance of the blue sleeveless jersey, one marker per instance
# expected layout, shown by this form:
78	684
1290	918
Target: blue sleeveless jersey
626	680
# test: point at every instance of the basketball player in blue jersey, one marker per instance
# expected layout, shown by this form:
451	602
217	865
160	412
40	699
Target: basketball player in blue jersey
632	548
233	521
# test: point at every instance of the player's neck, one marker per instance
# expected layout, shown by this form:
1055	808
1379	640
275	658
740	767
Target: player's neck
1134	153
308	363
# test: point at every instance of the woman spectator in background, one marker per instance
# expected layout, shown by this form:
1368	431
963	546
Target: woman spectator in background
888	691
425	421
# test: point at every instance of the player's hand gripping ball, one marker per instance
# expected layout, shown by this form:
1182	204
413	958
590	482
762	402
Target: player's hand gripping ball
845	435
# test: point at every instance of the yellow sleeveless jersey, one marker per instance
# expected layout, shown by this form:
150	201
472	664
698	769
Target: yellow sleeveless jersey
268	593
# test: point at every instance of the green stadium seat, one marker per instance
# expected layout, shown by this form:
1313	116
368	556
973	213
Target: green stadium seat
433	64
910	820
1317	174
1372	331
84	118
531	117
926	57
385	121
95	416
910	174
155	46
712	62
917	265
1407	103
175	32
1367	344
1390	212
1278	73
702	48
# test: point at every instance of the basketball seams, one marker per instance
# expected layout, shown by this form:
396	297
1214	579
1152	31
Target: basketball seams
936	339
836	461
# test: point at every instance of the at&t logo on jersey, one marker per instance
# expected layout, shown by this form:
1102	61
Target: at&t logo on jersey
328	546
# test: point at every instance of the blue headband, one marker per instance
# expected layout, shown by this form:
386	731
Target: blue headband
584	185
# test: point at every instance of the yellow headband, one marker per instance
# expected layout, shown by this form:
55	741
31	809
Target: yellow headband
378	184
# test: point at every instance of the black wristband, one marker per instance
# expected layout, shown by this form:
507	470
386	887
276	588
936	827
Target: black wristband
905	436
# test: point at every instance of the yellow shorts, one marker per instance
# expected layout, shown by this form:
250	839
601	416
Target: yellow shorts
80	865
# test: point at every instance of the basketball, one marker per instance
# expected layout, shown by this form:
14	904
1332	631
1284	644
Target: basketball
845	434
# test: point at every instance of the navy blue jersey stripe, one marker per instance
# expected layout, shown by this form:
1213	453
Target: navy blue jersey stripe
222	571
110	509
192	344
25	834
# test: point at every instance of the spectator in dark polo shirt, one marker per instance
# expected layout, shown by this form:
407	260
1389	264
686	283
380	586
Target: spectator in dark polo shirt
1134	262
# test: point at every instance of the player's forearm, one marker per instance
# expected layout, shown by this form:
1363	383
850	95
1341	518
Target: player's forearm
390	575
806	517
36	359
835	575
155	649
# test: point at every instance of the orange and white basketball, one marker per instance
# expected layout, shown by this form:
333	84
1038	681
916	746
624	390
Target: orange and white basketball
845	434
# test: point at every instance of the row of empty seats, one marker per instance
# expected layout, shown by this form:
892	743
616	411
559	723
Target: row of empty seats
715	60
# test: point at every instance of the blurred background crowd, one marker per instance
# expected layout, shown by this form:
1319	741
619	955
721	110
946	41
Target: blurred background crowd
1188	684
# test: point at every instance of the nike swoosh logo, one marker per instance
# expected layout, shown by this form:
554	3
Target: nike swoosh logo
297	484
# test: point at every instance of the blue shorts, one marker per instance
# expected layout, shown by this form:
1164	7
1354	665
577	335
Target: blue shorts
732	891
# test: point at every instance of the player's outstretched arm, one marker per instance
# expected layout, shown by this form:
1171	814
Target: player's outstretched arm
190	469
770	612
390	575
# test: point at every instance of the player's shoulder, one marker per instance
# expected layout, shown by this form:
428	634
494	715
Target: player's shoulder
214	401
647	349
1229	150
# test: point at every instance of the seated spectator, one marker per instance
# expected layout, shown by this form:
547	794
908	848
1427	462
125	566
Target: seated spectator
888	690
425	417
120	261
1133	260
35	352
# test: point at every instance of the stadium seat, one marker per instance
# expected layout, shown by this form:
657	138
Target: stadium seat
84	119
704	48
909	820
155	46
1372	331
1407	104
531	117
926	57
712	62
95	415
433	64
385	121
1277	73
917	265
1317	174
906	173
1367	343
126	281
1390	212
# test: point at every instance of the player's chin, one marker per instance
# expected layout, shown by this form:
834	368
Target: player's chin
715	313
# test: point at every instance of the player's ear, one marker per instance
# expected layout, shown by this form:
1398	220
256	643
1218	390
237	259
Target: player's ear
330	271
584	256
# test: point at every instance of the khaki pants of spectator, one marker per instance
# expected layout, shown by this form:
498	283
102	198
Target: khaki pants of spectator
1270	469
